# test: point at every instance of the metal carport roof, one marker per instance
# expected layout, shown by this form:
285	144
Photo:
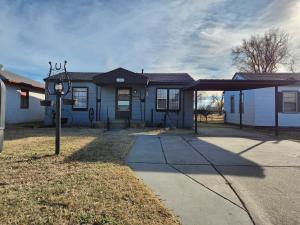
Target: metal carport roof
237	85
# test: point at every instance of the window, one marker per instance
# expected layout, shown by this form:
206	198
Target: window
174	99
24	99
289	102
162	99
80	95
231	104
167	99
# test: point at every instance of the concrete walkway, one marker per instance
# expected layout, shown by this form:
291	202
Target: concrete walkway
188	184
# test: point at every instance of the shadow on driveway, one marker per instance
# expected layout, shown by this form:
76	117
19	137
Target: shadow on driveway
177	150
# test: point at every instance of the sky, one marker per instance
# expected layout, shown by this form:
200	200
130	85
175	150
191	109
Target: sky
193	36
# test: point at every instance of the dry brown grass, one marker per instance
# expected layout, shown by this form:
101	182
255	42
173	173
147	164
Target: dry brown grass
213	118
87	184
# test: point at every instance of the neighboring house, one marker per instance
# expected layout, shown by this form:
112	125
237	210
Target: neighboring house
23	97
258	105
121	95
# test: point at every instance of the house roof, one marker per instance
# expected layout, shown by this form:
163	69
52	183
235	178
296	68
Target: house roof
266	76
76	76
13	78
153	78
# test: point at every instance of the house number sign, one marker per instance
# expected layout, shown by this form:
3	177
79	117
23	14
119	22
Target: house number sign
120	80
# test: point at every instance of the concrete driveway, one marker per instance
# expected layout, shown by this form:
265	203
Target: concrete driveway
222	176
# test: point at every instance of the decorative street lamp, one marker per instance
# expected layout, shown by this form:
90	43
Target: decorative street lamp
61	87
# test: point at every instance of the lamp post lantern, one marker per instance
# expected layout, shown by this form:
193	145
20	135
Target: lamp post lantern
61	87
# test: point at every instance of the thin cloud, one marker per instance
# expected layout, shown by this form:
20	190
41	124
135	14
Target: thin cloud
167	36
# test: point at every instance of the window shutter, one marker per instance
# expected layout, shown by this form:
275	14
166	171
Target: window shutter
298	103
280	102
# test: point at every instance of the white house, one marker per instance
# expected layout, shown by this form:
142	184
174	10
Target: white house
258	105
23	97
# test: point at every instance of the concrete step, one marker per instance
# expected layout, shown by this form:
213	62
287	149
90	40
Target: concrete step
120	124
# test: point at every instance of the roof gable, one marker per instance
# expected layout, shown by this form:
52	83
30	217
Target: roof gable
120	76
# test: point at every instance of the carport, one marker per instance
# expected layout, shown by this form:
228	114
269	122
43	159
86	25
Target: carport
237	85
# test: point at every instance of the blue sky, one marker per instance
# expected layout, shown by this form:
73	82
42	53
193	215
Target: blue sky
159	35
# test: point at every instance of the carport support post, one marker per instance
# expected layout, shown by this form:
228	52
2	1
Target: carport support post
196	113
240	110
276	111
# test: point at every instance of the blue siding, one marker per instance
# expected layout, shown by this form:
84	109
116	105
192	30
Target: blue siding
176	118
107	106
74	117
108	96
137	105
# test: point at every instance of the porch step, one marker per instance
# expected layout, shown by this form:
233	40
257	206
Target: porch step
119	124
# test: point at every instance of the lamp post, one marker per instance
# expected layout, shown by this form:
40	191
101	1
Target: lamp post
61	87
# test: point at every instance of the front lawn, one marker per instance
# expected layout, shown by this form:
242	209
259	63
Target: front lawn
87	184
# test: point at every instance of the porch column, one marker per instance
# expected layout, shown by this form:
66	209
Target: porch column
240	110
196	113
276	111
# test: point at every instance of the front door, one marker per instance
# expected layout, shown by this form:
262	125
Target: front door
123	103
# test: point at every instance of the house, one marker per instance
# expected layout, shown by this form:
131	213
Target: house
120	95
23	97
258	105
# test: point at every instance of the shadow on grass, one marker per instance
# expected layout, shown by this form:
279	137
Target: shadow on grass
108	147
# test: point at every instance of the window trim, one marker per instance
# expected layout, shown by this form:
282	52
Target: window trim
232	107
283	110
27	98
168	98
87	101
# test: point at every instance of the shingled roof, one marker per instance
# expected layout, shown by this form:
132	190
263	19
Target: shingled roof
76	76
266	76
154	78
12	78
169	78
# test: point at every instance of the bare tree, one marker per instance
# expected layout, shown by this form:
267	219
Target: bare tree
205	111
263	54
218	101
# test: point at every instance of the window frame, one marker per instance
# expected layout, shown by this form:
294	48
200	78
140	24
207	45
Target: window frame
26	97
168	100
232	104
87	99
283	108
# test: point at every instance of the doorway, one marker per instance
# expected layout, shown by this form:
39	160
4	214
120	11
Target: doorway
123	103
